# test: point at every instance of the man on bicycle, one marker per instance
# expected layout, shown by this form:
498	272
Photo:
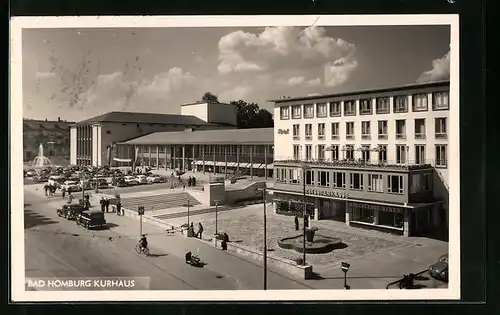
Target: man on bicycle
144	242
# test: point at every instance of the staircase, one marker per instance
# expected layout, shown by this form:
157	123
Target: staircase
158	202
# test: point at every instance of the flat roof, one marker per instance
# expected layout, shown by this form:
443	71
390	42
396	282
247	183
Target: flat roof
220	136
361	92
208	103
146	118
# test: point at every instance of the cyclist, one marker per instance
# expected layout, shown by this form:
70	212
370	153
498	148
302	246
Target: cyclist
143	242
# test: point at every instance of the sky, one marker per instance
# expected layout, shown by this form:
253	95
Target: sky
76	74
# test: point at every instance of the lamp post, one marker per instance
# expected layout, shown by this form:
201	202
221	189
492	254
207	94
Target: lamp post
304	168
216	217
265	235
345	268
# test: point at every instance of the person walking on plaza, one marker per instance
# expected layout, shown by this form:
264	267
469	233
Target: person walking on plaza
193	181
119	208
70	197
106	204
46	189
63	192
199	234
296	223
103	204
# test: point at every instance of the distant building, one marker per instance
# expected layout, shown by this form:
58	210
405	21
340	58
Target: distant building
53	135
93	141
374	158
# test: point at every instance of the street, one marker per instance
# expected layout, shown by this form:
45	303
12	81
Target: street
55	247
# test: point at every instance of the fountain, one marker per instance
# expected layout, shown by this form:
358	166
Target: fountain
41	161
314	245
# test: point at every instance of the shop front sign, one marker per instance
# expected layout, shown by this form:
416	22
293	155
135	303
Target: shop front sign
327	193
283	131
377	207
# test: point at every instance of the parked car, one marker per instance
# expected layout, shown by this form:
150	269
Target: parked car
91	219
101	183
142	179
439	270
71	186
30	173
41	178
155	178
131	180
70	212
56	180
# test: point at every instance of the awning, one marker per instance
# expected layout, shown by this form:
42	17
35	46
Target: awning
219	163
256	165
122	160
198	163
270	166
208	163
245	165
232	164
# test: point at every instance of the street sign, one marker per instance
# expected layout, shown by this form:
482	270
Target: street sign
345	266
140	210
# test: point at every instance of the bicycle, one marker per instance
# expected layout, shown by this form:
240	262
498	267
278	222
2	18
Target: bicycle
142	250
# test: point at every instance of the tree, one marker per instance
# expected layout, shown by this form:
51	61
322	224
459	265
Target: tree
249	115
209	98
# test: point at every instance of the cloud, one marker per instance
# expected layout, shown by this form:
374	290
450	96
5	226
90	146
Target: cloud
288	50
117	92
440	70
239	92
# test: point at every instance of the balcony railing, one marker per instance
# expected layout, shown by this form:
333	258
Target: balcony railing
365	137
420	136
349	137
382	110
296	137
382	136
308	137
401	109
334	113
321	137
335	137
359	163
401	136
365	111
441	135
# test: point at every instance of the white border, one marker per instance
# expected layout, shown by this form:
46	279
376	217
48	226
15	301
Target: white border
17	197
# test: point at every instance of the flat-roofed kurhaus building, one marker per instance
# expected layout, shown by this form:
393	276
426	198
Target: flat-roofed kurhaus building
204	138
241	151
92	140
375	158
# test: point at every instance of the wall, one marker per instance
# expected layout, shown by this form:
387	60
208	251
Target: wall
249	192
197	110
222	113
72	142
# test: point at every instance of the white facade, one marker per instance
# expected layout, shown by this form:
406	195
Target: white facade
72	146
411	136
216	113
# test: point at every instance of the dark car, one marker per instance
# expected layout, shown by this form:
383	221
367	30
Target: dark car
91	219
439	270
70	212
118	182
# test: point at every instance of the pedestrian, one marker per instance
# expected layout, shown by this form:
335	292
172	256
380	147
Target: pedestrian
200	230
63	192
103	204
106	203
306	223
296	223
190	181
193	181
119	208
183	186
70	198
46	188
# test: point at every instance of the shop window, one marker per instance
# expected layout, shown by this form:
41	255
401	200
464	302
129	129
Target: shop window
357	181
338	180
362	215
324	179
281	175
392	219
310	177
395	184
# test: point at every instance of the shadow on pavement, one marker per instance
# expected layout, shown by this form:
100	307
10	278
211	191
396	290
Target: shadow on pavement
32	219
157	255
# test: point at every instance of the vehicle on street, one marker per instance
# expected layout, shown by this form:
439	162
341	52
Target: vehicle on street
70	212
100	182
142	179
30	173
141	250
56	180
155	178
131	180
71	186
91	219
439	270
119	182
40	178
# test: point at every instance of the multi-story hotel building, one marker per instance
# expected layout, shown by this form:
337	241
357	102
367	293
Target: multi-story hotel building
373	158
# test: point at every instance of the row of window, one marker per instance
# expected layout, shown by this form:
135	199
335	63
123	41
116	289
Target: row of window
440	101
348	153
355	181
211	149
440	130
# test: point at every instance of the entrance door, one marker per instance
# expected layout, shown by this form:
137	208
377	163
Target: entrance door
413	222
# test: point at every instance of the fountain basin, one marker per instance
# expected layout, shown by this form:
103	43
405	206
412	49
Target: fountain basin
320	245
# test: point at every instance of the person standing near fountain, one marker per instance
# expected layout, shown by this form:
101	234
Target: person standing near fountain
296	219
